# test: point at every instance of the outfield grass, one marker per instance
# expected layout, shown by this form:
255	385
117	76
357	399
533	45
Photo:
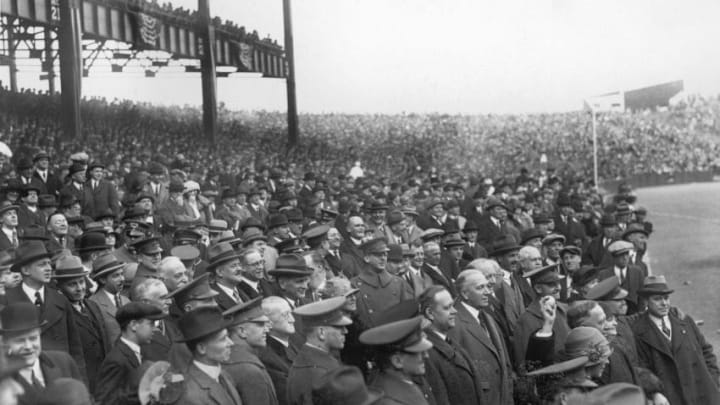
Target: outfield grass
685	247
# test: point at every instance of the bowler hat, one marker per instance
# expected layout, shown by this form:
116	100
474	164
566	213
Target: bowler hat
29	252
19	317
95	164
344	385
30	187
69	267
24	164
277	220
503	245
200	323
394	217
290	265
470	226
66	200
608	220
105	264
251	222
326	312
395	253
291	245
220	253
12	185
143	196
654	285
530	234
34	232
176	187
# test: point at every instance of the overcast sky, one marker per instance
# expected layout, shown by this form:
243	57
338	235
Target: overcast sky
466	56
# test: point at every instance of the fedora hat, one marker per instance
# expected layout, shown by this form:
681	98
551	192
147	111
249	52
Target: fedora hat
6	259
251	235
200	323
6	206
29	252
655	285
34	232
220	253
290	265
344	385
19	317
277	220
91	242
503	245
105	264
69	267
47	201
197	289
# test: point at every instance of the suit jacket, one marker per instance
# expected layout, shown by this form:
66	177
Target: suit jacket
277	359
161	343
60	331
597	254
225	301
54	245
94	338
261	213
309	366
54	365
632	283
418	283
398	391
5	242
201	389
28	218
686	365
102	198
473	252
334	263
528	294
251	378
161	196
486	349
119	377
452	376
532	320
51	186
108	310
488	231
251	293
573	230
511	303
351	259
438	278
80	195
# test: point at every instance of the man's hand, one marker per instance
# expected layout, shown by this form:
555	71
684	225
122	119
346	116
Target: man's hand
548	307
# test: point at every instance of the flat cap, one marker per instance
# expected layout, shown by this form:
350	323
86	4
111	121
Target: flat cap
431	233
324	313
552	238
149	245
405	335
316	232
185	253
570	249
544	275
619	247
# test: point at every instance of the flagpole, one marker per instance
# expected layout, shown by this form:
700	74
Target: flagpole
595	151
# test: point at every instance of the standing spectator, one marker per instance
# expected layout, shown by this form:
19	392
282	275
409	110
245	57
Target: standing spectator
28	212
107	272
49	183
9	237
100	194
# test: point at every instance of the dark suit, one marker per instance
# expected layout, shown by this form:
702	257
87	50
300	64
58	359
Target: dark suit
94	338
632	283
334	263
438	278
201	389
486	349
225	301
528	293
249	291
277	359
378	291
60	331
571	229
119	377
451	374
351	259
5	242
54	244
473	252
309	366
54	365
596	253
161	342
28	218
101	199
686	366
79	194
488	231
532	320
251	378
108	310
417	282
51	186
261	213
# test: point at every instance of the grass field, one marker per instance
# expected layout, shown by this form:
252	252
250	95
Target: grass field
685	247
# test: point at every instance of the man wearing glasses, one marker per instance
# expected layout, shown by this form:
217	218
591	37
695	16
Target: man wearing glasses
378	288
249	334
253	282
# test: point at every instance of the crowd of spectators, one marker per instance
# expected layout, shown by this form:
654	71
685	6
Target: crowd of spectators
393	147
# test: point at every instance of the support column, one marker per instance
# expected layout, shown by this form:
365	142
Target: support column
207	69
70	52
12	65
292	118
49	60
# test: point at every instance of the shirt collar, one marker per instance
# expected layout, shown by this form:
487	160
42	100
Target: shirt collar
253	284
27	373
228	291
473	311
133	346
30	292
212	371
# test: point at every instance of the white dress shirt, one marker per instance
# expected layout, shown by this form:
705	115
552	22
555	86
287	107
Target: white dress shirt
212	371
134	347
30	292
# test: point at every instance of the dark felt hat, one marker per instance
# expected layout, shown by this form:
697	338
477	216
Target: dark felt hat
343	385
197	289
47	201
6	206
134	311
29	252
201	323
290	265
105	264
220	253
655	285
277	220
530	234
91	242
503	245
19	317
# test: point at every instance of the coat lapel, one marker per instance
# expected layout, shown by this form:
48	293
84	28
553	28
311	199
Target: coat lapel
648	333
474	327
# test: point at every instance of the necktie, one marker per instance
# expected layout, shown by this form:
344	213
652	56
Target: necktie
36	381
14	238
117	301
622	276
482	324
38	299
44	177
225	385
236	296
665	329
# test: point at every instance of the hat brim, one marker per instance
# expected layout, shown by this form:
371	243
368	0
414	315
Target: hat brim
223	325
95	248
290	273
19	263
419	347
503	251
655	291
343	321
4	331
222	260
5	209
75	275
109	270
620	295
